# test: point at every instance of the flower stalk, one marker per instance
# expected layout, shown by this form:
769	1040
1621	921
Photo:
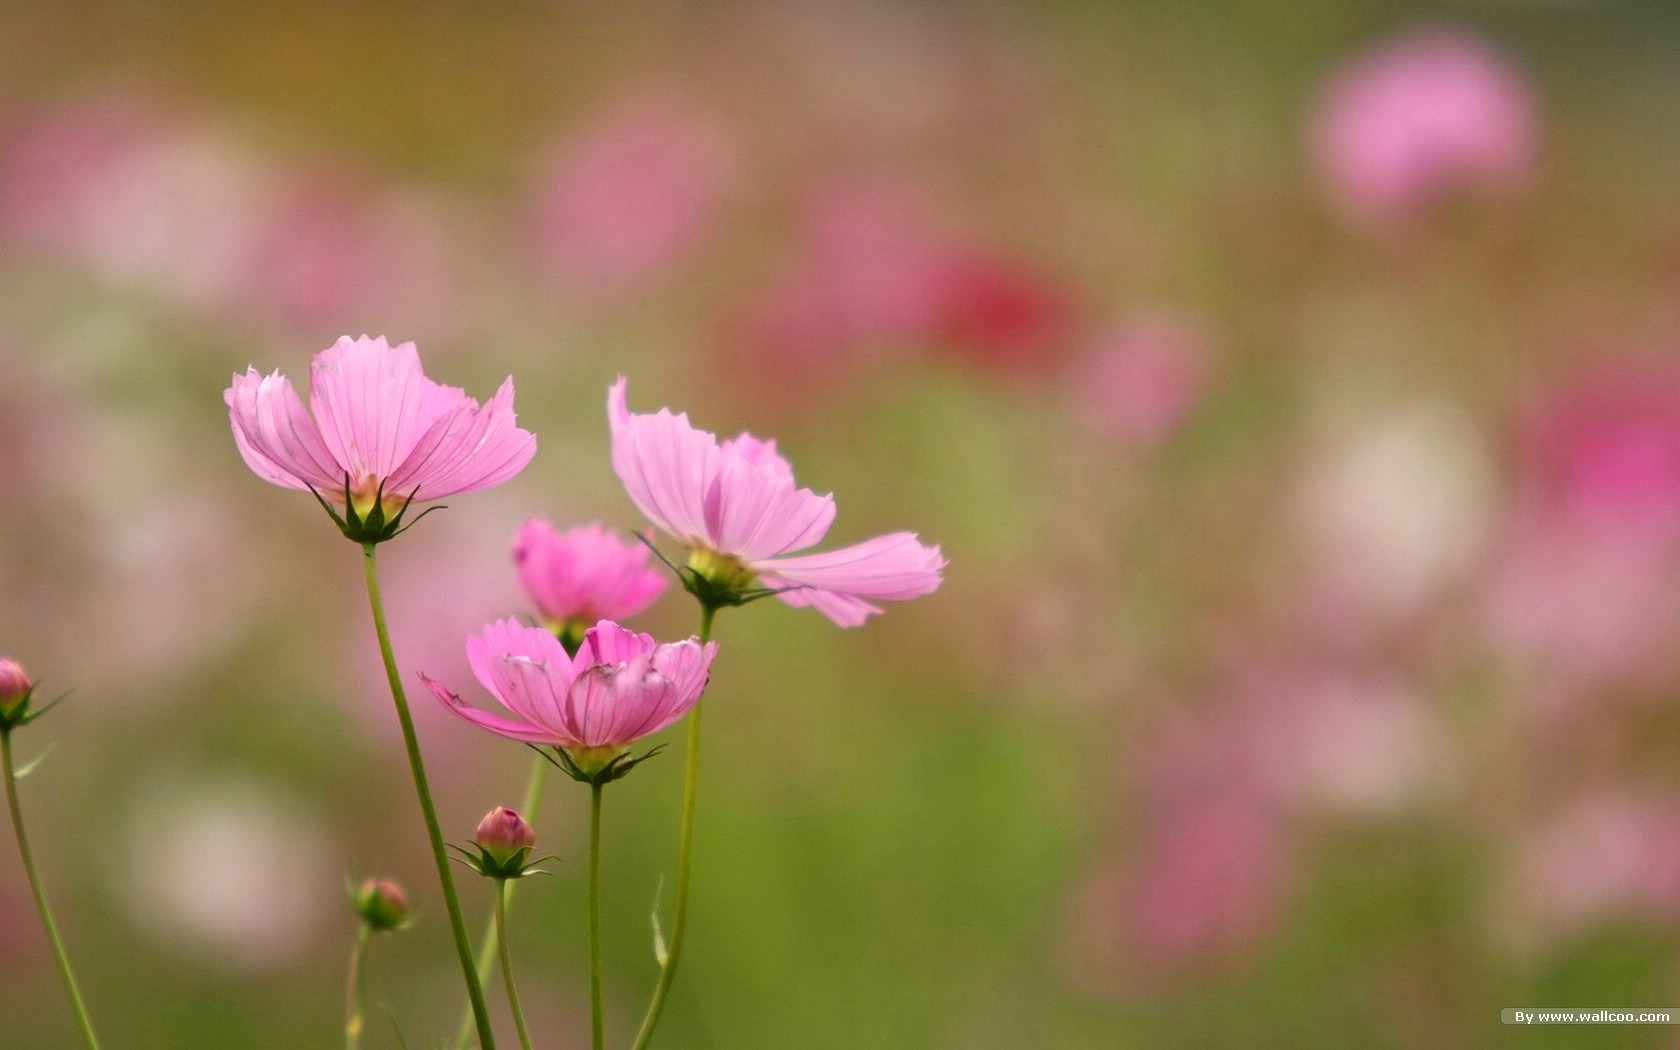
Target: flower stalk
457	925
685	853
595	1021
355	1019
488	945
502	889
83	1021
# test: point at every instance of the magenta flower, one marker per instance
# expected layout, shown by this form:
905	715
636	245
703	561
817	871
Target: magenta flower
377	435
620	687
583	575
735	505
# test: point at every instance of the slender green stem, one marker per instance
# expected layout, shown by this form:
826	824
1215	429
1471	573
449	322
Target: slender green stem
487	944
595	916
355	1017
76	1004
457	926
507	965
685	844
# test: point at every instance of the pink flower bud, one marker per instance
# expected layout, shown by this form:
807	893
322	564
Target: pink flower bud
503	834
15	686
382	903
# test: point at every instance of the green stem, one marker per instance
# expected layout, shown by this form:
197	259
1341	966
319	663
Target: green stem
507	965
457	926
70	989
487	944
595	916
358	980
685	844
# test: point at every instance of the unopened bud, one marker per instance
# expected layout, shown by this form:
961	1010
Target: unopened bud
15	688
504	834
382	904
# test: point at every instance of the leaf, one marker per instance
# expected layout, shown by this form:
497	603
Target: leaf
660	951
30	767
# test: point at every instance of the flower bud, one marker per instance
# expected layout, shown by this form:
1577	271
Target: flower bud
15	688
382	904
504	835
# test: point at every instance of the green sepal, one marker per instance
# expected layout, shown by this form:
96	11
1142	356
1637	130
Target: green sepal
21	712
518	864
616	768
709	592
374	527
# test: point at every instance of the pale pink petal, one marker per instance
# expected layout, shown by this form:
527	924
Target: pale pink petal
666	465
373	403
754	512
891	568
608	643
686	665
843	609
508	727
758	452
523	667
477	448
276	437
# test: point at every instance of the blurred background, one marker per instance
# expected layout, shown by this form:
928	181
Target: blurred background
1294	388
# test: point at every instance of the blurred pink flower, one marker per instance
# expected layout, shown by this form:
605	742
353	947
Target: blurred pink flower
1425	115
736	506
584	574
864	277
620	687
1144	379
633	193
1611	853
326	247
998	312
1602	449
1211	881
381	431
1588	574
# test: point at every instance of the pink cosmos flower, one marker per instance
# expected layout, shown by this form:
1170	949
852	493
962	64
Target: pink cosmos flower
584	574
620	687
1429	113
377	433
735	505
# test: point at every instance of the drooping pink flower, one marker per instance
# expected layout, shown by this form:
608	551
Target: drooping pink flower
736	506
583	575
377	433
620	687
1430	113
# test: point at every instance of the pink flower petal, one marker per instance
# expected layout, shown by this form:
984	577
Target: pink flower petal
473	449
584	574
893	568
523	667
373	403
665	464
508	727
276	437
754	511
